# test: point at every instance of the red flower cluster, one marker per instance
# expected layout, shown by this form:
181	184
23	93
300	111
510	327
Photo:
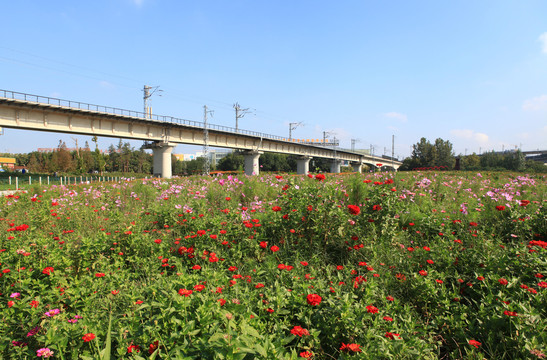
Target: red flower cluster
354	209
314	299
350	347
88	337
299	331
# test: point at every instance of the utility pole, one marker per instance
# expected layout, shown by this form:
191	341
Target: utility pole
325	136
293	126
239	114
353	141
207	164
148	92
392	151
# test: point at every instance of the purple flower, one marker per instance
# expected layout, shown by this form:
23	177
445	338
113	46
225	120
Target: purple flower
33	331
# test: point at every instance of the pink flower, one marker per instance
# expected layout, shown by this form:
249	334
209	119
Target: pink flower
45	352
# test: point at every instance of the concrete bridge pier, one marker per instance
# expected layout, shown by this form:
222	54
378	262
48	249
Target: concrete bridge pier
303	165
161	161
335	166
357	167
251	162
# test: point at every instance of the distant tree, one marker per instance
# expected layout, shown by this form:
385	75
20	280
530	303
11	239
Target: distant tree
426	154
277	162
443	153
231	162
470	162
195	166
62	158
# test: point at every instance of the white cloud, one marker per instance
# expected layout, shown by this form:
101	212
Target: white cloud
396	115
543	40
480	138
106	84
534	104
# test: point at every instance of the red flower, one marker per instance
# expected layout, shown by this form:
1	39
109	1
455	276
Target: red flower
10	303
320	177
34	304
387	318
153	347
306	354
500	207
372	309
313	299
422	272
376	208
199	287
503	281
354	209
274	248
391	336
350	347
524	202
379	165
99	274
48	270
276	208
185	292
196	267
542	284
510	313
88	337
299	331
132	347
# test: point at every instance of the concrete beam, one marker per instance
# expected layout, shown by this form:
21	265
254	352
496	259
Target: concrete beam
335	166
357	167
161	159
303	165
251	162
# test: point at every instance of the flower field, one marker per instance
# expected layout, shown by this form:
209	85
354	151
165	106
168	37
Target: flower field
418	265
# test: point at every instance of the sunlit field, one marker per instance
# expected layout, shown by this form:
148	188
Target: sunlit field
419	265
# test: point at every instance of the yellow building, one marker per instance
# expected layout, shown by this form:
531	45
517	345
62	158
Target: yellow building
7	163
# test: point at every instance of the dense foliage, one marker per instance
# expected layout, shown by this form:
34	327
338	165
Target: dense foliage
417	265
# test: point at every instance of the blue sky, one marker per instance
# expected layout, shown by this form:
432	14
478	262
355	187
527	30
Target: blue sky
472	72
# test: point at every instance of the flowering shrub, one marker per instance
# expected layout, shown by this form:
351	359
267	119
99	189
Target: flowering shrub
414	265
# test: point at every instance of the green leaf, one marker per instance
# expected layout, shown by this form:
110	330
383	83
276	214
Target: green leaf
105	354
261	350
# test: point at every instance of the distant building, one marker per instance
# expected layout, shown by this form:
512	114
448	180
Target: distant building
214	156
7	163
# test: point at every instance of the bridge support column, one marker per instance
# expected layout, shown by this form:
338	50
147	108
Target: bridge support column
303	165
161	158
251	162
357	167
335	166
